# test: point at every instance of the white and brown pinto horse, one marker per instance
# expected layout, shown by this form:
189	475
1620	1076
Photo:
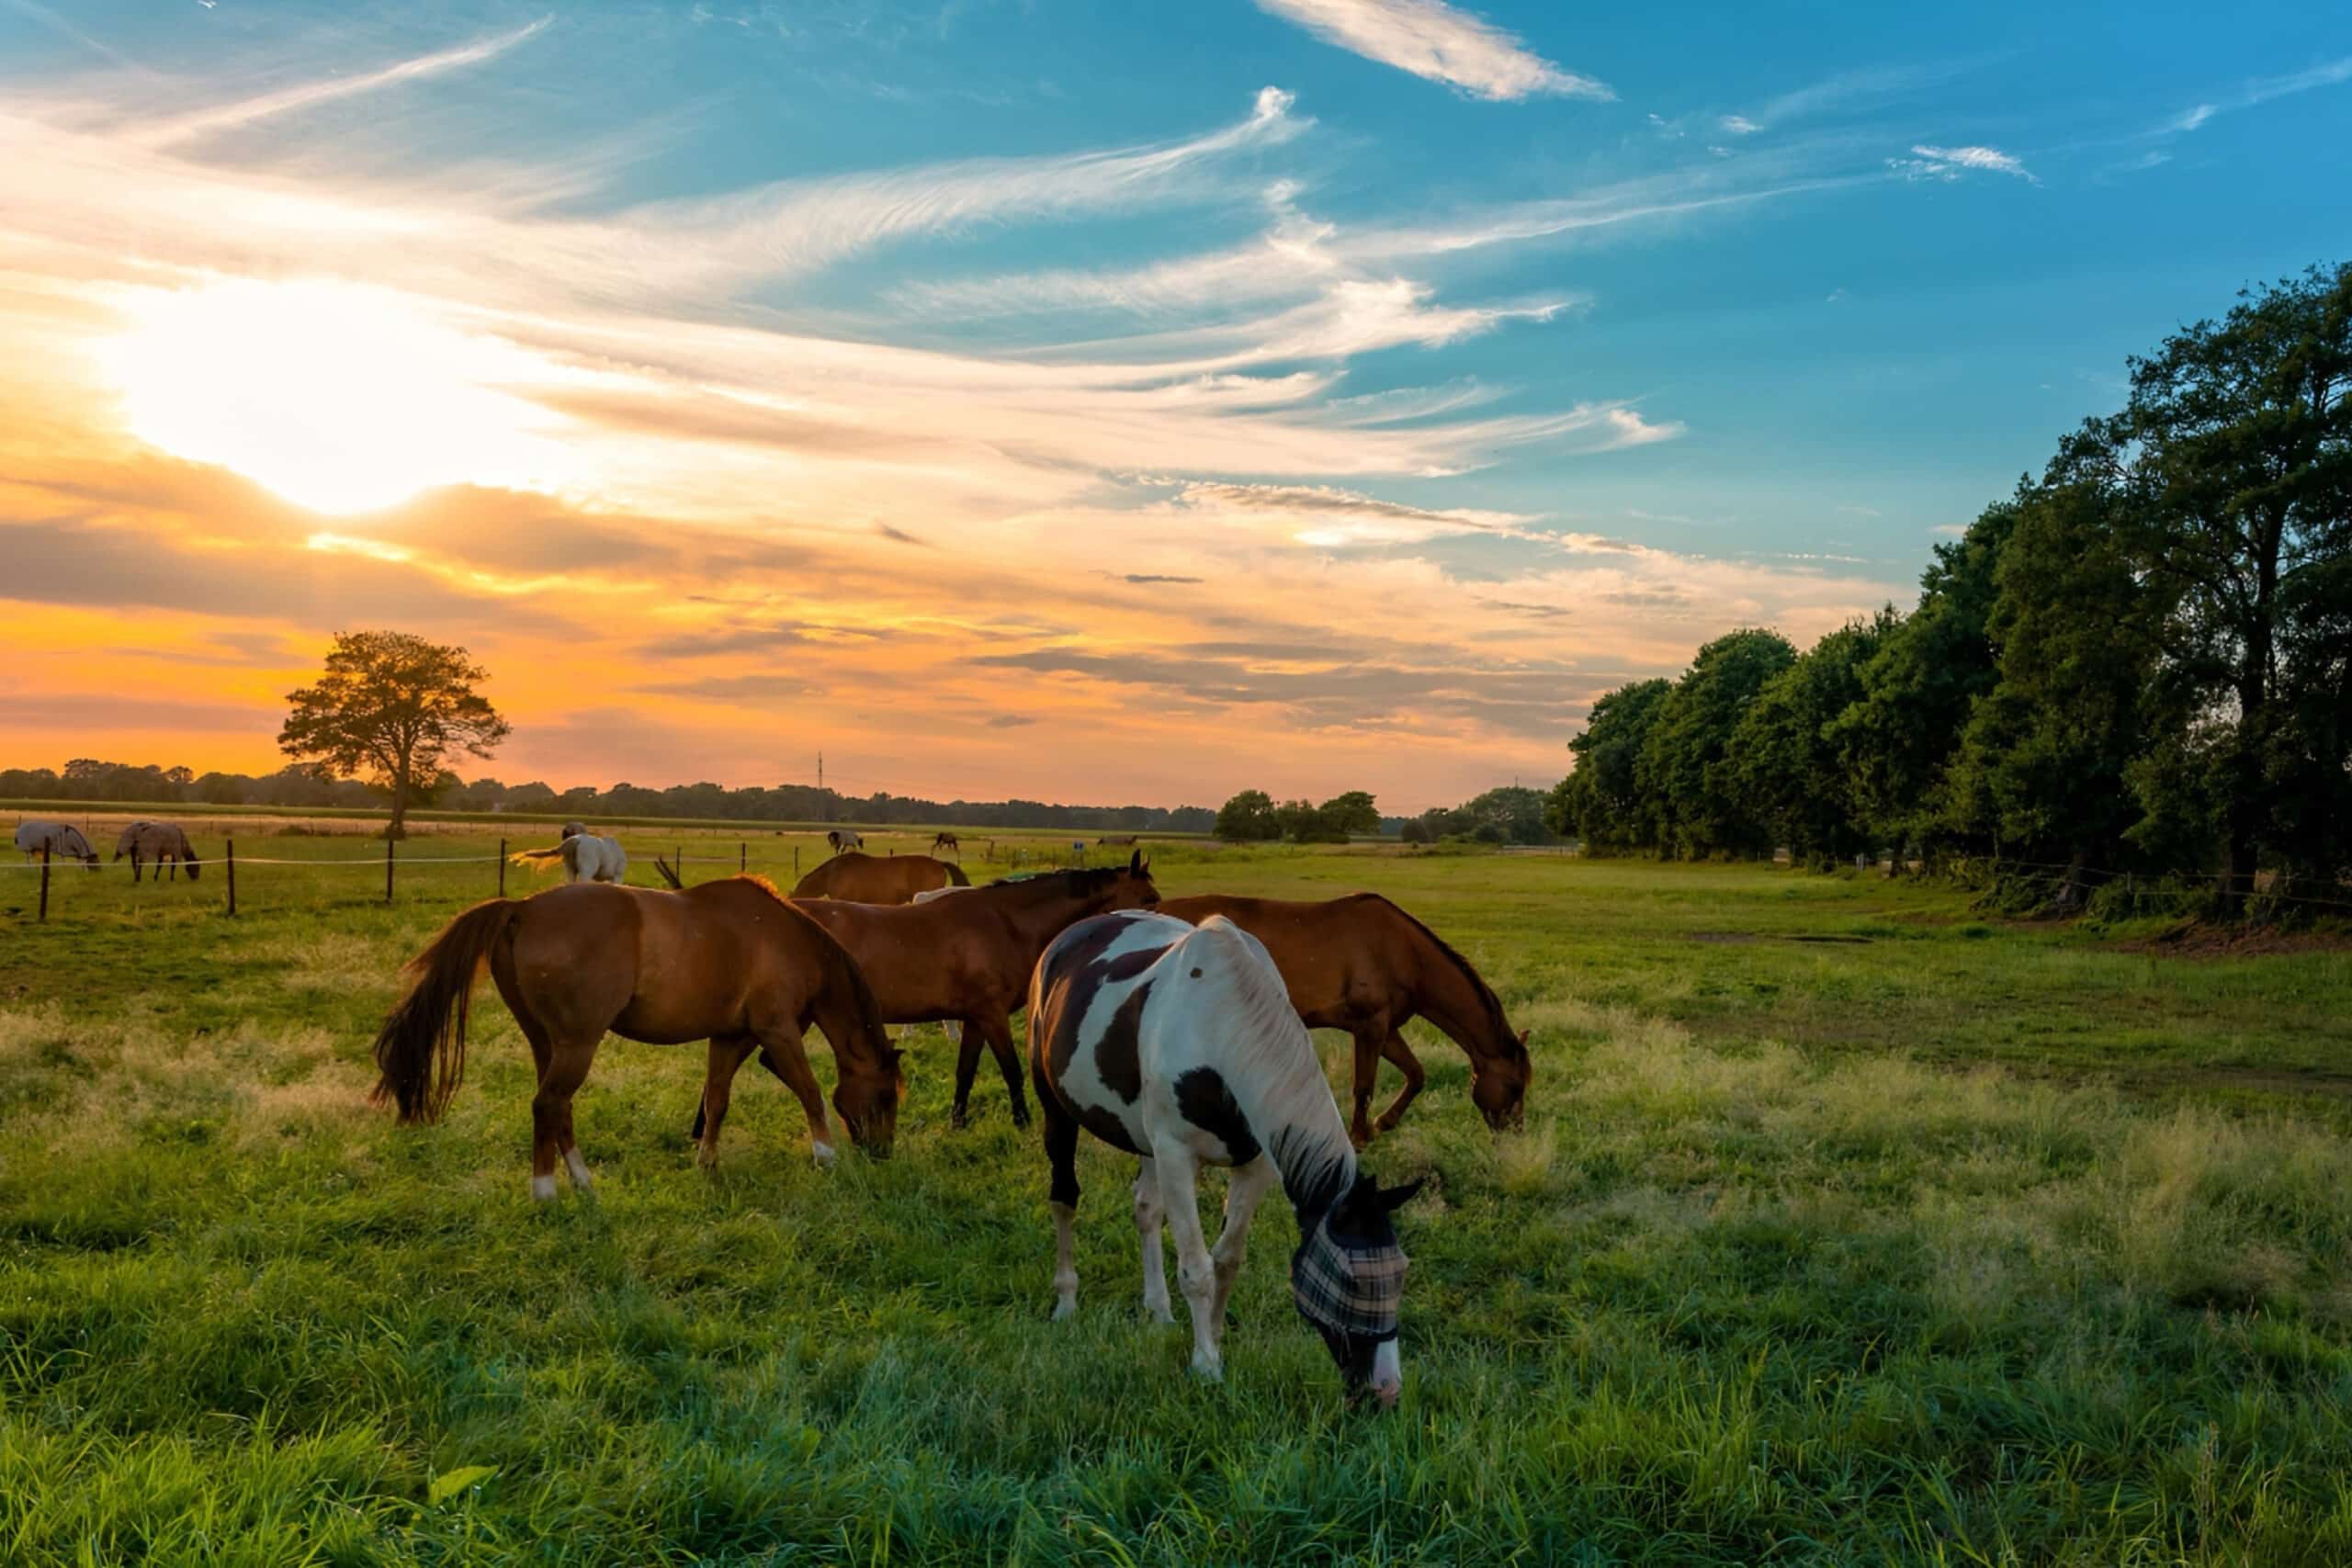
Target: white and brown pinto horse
61	841
843	839
1178	1045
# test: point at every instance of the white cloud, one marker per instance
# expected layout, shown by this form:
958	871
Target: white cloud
1435	41
1951	163
2329	74
227	117
1740	124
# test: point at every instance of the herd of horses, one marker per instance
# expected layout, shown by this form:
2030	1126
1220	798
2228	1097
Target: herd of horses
1173	1029
147	842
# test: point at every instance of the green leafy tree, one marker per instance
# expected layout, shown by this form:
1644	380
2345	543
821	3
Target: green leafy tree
1683	763
1786	768
2232	467
388	710
1248	817
2042	765
1354	812
1601	803
1919	690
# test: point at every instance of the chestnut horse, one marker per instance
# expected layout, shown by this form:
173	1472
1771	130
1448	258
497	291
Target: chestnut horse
1363	964
729	961
878	879
967	958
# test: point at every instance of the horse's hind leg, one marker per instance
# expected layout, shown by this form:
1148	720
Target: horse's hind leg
968	1064
1061	1193
1149	1211
566	1069
1396	1050
1370	1037
726	1058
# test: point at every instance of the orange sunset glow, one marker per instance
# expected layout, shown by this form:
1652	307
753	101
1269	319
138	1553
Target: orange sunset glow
713	479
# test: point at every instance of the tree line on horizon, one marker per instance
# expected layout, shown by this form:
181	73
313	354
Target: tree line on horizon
312	786
2140	662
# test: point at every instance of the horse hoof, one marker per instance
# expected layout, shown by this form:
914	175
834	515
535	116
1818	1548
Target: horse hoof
543	1188
1210	1372
824	1156
1063	1310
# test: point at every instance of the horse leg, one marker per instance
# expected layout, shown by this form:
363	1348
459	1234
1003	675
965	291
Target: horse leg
967	1063
1396	1050
1149	1211
1251	1183
998	1032
559	1079
1061	1193
1180	1194
694	1133
727	1057
1369	1036
782	1045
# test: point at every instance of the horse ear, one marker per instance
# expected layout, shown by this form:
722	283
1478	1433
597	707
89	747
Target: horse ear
1523	1038
1135	863
1394	1198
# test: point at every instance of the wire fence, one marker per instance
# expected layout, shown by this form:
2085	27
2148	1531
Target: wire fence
55	872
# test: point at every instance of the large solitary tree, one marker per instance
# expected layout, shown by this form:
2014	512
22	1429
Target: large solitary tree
388	711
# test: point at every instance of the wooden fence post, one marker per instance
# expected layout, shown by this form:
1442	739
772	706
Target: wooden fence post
796	862
742	857
232	858
680	853
502	868
388	871
44	881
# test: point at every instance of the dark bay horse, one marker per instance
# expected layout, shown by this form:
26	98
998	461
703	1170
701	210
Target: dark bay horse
878	879
1363	964
1178	1045
967	958
729	961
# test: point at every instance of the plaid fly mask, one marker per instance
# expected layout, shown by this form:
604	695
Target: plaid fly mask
1351	1288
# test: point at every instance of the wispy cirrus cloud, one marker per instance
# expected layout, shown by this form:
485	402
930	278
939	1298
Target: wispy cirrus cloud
2262	90
1438	43
309	94
1952	162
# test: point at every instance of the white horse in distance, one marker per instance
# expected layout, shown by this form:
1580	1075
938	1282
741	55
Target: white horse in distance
61	840
586	856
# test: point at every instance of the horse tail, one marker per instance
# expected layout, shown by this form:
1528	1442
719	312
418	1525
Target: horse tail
955	877
528	857
421	1050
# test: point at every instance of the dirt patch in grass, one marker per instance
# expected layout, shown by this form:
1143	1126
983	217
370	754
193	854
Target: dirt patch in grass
2207	939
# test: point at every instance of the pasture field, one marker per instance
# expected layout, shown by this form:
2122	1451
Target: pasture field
1846	1228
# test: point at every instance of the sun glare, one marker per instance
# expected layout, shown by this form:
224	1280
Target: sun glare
340	397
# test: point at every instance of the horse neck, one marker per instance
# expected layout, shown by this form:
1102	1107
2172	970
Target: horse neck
1458	1001
1302	1128
1040	916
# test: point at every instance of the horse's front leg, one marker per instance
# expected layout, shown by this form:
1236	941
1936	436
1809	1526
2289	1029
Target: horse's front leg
1251	1183
1150	1212
1396	1050
1369	1036
1180	1195
789	1057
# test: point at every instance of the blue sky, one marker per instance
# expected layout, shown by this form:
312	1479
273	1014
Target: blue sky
1510	313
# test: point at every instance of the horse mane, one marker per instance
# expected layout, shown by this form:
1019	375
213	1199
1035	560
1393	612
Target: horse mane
1492	1004
762	884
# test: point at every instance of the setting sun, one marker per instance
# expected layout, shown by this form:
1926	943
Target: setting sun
340	397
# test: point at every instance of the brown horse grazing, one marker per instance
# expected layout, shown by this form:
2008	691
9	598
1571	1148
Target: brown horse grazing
946	842
729	961
878	879
157	842
968	958
1363	964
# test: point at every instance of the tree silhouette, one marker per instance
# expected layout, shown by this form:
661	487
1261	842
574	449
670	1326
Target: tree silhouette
388	710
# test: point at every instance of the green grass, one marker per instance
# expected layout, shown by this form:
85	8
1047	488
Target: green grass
1951	1242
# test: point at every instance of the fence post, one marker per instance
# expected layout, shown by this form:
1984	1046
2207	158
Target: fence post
388	871
502	868
233	877
796	862
681	853
44	881
742	857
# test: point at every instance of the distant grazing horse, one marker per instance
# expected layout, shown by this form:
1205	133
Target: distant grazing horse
61	841
585	856
729	961
842	838
967	958
157	841
947	842
1122	842
878	879
1363	964
1178	1045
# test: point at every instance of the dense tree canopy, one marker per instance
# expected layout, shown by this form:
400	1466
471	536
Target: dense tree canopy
2140	661
388	710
